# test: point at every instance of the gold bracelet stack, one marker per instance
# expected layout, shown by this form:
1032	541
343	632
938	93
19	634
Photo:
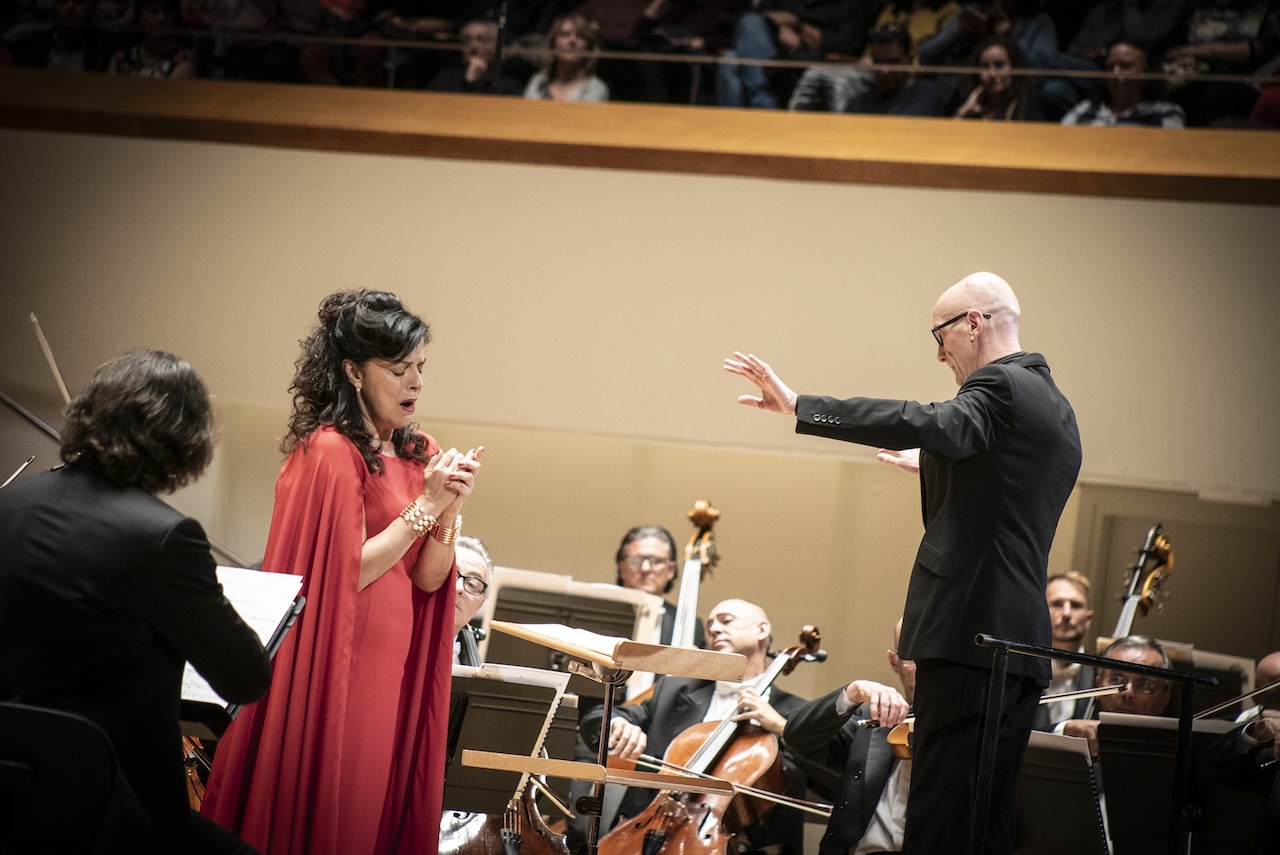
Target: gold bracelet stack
418	519
448	535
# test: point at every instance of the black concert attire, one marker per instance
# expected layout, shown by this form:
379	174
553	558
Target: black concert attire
997	464
105	593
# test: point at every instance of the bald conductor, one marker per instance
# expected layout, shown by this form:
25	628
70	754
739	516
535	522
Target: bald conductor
996	463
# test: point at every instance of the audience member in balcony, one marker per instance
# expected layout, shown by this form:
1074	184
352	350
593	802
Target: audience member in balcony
1224	37
476	74
1122	100
956	43
1153	25
998	94
159	54
568	71
893	91
805	30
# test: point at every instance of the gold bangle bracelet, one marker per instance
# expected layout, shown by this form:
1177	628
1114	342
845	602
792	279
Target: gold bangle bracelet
448	535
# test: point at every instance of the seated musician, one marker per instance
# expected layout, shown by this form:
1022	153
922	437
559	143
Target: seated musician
854	765
1267	672
677	703
1139	695
1067	595
647	562
475	575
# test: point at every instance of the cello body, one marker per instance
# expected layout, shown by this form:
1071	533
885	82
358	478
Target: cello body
688	823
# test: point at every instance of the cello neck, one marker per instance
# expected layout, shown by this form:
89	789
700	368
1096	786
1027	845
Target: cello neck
682	634
724	733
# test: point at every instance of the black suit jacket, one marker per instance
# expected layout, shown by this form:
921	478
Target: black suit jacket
677	704
847	764
105	593
998	462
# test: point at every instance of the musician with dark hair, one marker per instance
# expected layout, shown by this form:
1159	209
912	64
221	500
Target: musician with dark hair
346	753
646	561
106	592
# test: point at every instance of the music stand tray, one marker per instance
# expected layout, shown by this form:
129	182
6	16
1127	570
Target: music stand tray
503	708
1137	768
1058	808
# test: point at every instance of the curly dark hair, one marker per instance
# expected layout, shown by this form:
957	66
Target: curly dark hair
356	325
145	420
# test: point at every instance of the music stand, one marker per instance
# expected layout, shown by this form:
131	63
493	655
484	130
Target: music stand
1179	828
1058	808
1137	759
611	662
270	604
505	709
531	597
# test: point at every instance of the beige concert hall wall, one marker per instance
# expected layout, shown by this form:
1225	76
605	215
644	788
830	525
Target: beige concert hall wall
580	317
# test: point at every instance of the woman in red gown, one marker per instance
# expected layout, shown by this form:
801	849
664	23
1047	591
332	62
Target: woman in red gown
345	754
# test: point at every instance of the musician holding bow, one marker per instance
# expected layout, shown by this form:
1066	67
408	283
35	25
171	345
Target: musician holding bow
733	626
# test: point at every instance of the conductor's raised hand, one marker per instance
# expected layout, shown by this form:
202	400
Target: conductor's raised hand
775	396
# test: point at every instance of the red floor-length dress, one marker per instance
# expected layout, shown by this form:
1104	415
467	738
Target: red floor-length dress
345	754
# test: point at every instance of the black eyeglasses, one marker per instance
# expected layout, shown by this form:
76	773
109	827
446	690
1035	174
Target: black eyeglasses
1141	685
473	585
938	329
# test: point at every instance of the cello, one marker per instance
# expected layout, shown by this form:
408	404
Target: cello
520	830
737	752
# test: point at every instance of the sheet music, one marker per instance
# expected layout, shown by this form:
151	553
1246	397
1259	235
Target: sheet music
262	600
605	644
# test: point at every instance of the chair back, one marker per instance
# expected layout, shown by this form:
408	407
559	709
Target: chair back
61	789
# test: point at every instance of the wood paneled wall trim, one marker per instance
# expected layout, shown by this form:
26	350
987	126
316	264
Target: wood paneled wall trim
1231	166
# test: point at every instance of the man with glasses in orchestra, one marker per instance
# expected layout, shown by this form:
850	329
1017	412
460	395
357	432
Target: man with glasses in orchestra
996	464
1138	695
474	576
1068	597
647	562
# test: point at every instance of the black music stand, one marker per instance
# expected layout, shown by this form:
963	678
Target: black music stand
496	715
1058	808
1179	821
1138	758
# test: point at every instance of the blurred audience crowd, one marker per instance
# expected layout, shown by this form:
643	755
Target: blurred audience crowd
1161	63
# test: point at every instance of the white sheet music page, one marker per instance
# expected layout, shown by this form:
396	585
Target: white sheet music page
262	600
